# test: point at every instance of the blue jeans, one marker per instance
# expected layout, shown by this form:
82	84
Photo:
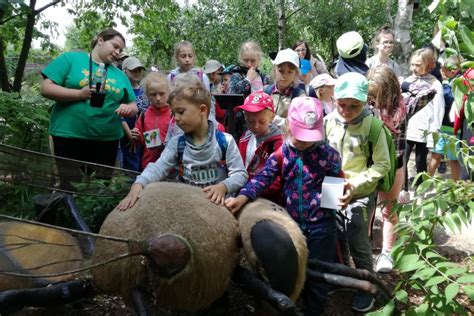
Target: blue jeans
321	243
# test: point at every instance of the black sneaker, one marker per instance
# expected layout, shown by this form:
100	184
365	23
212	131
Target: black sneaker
363	301
442	167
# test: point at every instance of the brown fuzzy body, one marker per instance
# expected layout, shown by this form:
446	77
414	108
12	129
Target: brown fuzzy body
182	210
262	210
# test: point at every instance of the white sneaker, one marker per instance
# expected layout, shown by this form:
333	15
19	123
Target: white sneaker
404	197
384	263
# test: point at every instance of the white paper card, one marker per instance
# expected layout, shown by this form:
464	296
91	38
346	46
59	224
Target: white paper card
152	138
332	190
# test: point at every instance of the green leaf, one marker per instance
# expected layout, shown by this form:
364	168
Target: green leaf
467	278
454	271
431	254
447	264
422	309
402	296
423	273
409	263
451	291
466	36
469	290
389	309
424	186
435	280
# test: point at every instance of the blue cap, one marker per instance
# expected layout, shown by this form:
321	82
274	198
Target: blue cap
305	66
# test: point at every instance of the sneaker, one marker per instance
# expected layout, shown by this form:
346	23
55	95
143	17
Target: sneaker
363	301
442	167
384	263
404	197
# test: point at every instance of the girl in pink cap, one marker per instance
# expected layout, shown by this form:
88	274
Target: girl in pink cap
302	162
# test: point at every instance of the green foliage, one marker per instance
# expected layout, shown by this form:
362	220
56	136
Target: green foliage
106	196
24	120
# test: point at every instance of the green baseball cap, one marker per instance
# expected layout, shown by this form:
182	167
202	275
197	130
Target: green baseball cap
352	85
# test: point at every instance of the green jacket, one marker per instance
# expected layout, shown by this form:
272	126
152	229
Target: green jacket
351	141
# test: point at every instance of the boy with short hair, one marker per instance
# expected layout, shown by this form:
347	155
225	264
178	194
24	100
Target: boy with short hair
347	130
205	161
261	139
129	152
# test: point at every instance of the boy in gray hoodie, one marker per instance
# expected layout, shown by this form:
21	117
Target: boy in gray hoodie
203	156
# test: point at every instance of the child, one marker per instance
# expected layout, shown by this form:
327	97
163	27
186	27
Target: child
450	70
246	78
305	77
347	130
286	67
129	153
185	58
152	126
323	85
385	97
261	139
302	162
352	54
429	118
204	156
384	42
213	70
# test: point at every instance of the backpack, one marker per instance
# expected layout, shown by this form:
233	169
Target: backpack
295	93
376	127
221	140
417	95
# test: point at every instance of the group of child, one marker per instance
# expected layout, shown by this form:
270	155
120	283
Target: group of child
292	142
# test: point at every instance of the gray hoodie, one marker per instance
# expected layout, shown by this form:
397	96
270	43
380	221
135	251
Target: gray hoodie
201	164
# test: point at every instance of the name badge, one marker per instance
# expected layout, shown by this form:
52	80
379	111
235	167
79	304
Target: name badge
152	138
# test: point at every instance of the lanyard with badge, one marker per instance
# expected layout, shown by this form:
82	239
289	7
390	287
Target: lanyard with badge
152	137
97	83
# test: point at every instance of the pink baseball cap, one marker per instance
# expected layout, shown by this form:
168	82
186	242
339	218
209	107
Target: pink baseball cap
305	118
256	102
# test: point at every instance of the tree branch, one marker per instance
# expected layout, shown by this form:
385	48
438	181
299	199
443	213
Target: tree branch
36	12
296	11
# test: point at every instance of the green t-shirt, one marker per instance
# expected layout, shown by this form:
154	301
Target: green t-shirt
78	119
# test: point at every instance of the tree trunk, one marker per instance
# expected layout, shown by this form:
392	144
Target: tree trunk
3	65
281	24
402	26
25	49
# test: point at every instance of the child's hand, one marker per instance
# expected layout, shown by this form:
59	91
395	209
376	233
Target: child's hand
126	110
348	193
235	204
131	197
252	74
136	134
220	88
216	193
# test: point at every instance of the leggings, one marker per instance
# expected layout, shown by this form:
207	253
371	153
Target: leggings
421	152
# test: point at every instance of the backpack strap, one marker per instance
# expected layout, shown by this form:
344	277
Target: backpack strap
374	132
181	146
222	141
296	92
268	89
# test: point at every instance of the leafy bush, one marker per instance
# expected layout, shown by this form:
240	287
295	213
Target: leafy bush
24	120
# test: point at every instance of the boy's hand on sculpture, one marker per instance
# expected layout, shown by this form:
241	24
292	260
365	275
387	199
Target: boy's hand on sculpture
216	193
131	198
348	193
235	204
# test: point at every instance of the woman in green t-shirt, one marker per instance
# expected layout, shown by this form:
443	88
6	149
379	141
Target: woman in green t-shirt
81	131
